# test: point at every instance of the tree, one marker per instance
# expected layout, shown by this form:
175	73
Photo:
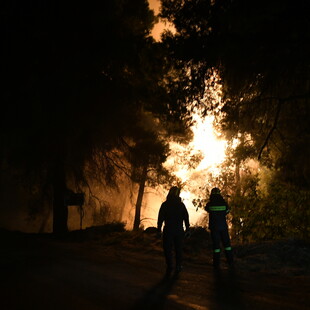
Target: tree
259	50
75	77
147	154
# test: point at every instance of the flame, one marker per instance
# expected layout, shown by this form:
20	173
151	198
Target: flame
206	143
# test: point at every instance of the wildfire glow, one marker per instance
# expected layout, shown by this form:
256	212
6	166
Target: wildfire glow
161	25
207	141
211	149
206	146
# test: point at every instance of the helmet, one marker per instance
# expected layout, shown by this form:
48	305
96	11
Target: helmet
215	191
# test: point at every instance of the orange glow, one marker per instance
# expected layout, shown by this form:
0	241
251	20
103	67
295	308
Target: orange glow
154	5
212	148
209	150
161	26
209	143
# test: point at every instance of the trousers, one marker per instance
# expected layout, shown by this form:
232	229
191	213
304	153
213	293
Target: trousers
221	237
173	248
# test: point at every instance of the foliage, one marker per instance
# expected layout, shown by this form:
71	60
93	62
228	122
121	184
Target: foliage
263	207
269	210
78	80
259	50
70	87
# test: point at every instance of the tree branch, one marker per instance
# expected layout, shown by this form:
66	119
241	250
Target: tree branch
274	126
121	166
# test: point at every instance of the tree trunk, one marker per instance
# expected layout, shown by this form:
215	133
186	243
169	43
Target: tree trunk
60	209
140	198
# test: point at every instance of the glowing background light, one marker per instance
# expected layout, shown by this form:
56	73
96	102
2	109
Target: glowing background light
206	143
160	26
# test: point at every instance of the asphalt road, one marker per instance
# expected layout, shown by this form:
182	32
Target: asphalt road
47	274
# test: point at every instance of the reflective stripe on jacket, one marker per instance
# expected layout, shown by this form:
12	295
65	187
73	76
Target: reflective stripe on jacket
217	208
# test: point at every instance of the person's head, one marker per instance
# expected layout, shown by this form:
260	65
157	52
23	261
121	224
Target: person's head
216	195
215	191
174	193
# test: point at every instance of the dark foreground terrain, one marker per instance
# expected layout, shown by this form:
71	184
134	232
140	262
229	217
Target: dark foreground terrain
124	270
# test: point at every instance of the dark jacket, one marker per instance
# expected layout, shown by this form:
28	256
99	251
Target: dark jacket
173	212
217	208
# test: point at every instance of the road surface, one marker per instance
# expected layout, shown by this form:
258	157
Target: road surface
42	273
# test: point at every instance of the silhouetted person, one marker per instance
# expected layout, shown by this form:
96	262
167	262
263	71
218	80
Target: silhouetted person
218	208
173	212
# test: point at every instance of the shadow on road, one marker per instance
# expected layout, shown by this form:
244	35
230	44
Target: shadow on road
155	298
227	290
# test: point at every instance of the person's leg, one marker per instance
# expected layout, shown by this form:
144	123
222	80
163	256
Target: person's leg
168	251
178	244
215	235
227	246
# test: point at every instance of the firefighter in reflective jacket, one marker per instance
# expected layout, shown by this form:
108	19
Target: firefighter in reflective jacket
218	208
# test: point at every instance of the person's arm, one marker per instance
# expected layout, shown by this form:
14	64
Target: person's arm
207	207
161	217
186	218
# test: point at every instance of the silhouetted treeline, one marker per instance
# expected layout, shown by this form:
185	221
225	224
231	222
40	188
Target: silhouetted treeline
80	81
